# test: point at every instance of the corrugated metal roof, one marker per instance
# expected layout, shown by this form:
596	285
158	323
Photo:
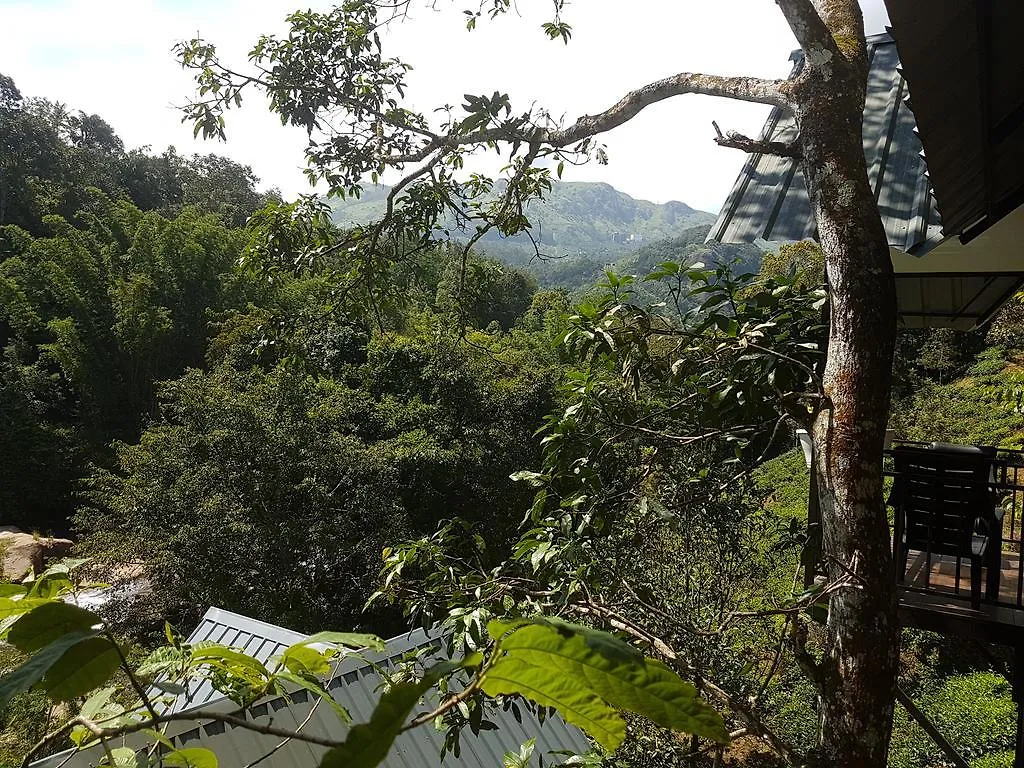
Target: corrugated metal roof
258	639
944	284
769	199
355	685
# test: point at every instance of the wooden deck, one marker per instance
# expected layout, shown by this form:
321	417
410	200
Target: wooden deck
935	603
942	575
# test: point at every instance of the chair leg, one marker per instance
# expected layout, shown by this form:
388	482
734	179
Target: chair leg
975	583
993	572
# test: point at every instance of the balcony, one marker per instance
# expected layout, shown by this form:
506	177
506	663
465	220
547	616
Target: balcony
936	591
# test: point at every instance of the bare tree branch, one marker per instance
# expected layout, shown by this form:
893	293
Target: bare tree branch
734	140
754	89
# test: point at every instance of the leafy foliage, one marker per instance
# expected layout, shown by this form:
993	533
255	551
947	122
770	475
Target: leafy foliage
527	658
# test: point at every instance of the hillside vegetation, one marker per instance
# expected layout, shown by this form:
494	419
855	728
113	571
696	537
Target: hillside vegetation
221	409
575	218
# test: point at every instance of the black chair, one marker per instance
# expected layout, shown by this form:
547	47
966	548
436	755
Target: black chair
945	506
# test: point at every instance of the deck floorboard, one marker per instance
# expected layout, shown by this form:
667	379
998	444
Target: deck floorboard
941	577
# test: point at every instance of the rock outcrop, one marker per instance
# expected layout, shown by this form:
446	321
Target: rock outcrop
23	552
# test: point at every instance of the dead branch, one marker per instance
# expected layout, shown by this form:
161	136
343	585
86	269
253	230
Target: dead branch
734	140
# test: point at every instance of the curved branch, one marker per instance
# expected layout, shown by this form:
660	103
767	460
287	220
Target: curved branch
753	89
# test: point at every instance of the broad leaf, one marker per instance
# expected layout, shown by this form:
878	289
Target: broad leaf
369	743
97	703
102	711
83	668
230	660
191	757
610	669
33	670
303	660
348	639
161	660
10	607
548	687
124	757
45	623
51	584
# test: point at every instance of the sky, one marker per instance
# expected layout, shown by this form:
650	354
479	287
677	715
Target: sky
113	58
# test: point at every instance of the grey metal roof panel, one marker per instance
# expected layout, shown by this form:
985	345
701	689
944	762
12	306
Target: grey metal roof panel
356	685
769	199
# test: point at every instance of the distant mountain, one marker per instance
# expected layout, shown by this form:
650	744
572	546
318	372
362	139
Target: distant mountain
578	274
588	219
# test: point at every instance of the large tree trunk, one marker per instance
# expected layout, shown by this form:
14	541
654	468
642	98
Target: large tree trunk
858	672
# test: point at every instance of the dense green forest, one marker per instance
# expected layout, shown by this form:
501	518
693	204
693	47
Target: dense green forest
513	437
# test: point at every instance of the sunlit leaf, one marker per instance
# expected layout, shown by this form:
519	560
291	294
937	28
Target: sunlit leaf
10	607
303	660
45	623
368	744
124	757
348	639
191	757
230	660
554	659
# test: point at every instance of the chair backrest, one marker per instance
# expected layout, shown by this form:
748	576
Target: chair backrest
940	494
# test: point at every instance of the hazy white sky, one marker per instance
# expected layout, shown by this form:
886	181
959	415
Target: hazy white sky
113	57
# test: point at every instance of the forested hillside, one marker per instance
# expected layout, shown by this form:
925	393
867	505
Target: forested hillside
574	218
573	454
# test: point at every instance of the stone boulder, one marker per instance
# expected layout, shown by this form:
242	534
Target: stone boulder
23	552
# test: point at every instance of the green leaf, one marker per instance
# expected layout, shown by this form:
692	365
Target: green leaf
124	757
45	623
158	737
51	584
83	667
549	688
601	664
102	711
535	479
10	590
97	703
33	670
9	607
320	691
347	639
191	757
369	743
230	660
161	660
303	660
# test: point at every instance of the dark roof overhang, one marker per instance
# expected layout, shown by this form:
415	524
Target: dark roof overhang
963	62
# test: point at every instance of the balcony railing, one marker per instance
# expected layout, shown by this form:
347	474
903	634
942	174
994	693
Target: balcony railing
945	574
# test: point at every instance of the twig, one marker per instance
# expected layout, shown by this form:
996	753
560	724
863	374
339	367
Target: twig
131	677
734	140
